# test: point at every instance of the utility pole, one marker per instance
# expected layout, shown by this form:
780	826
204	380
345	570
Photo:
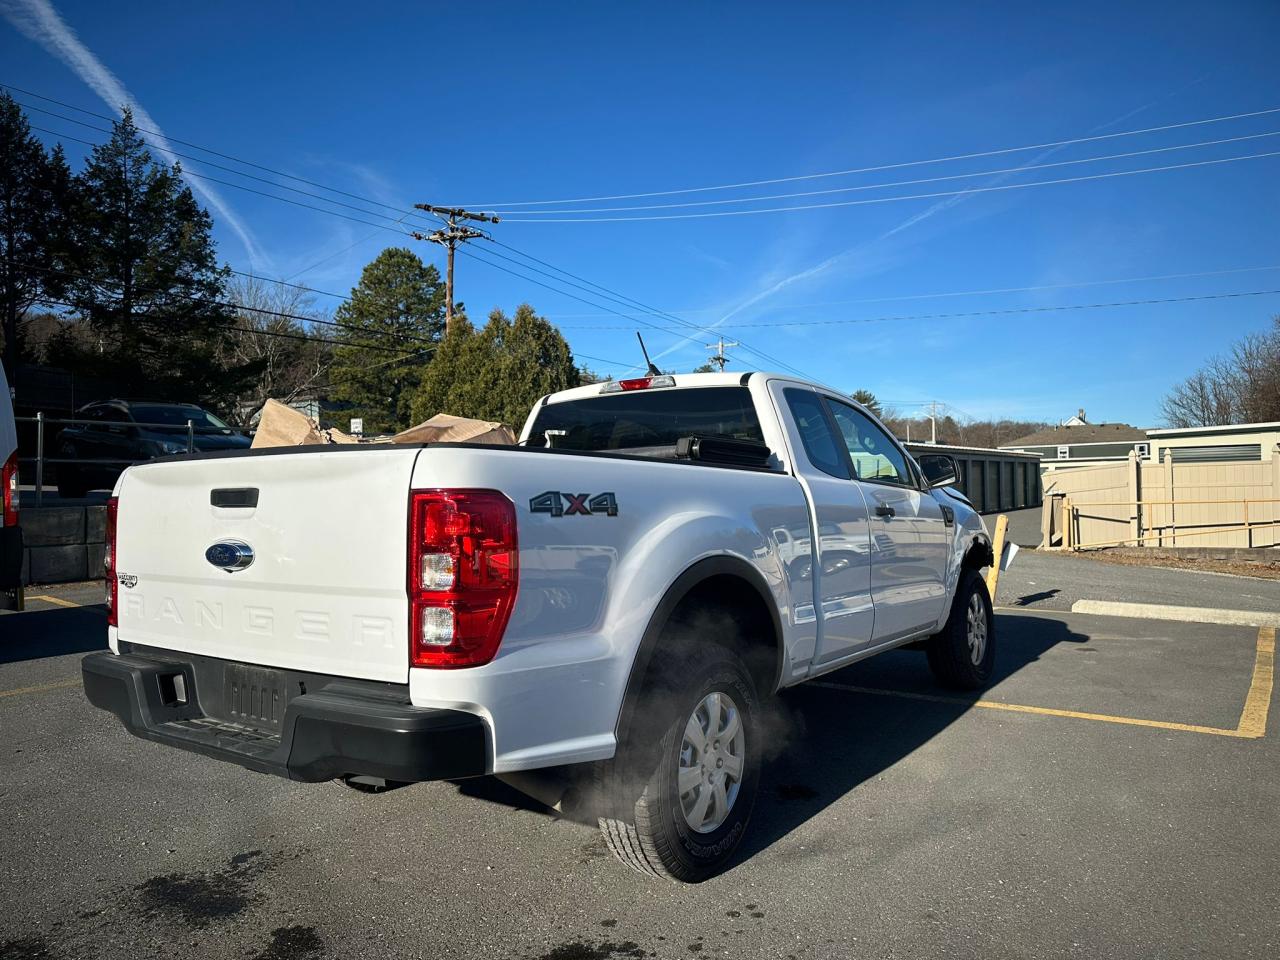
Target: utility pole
449	237
719	359
933	421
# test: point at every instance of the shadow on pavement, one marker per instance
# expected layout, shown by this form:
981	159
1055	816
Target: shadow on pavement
35	634
1028	599
823	743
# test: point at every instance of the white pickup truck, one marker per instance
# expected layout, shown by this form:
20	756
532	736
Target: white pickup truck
621	591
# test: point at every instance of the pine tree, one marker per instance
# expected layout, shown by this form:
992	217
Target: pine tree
143	274
397	306
499	372
432	396
35	189
868	400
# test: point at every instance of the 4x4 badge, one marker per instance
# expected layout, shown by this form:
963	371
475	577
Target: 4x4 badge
570	504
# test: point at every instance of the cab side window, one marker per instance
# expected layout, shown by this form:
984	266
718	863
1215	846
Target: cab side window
820	445
875	456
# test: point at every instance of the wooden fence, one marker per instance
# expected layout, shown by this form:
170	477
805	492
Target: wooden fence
1165	504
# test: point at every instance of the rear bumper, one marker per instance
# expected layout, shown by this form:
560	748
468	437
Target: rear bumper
316	729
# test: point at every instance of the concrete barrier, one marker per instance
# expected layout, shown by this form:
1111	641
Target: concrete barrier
63	543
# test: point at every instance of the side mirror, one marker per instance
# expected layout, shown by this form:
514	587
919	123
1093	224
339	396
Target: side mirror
939	470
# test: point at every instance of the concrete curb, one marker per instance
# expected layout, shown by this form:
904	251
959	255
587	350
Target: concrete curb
1157	611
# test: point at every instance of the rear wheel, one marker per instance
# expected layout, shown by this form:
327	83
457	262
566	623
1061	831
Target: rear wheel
698	786
963	654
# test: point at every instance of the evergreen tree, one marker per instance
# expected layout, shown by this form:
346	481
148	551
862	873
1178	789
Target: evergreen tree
499	372
868	400
143	274
34	192
705	368
397	306
432	396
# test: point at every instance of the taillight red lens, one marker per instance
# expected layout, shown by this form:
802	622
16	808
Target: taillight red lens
9	491
463	576
109	565
637	383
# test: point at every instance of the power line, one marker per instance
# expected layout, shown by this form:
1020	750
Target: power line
290	316
345	217
203	149
650	309
974	293
625	316
241	186
903	183
990	313
563	293
610	294
612	363
768	358
884	166
404	214
914	196
306	338
624	300
232	305
384	227
286	283
210	163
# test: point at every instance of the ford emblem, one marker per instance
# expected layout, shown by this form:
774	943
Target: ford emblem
230	555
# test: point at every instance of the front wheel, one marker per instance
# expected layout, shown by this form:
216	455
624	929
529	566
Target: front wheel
963	654
698	787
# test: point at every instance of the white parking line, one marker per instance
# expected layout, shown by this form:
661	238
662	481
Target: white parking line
1160	611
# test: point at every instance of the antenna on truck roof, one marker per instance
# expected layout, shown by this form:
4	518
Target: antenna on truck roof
652	371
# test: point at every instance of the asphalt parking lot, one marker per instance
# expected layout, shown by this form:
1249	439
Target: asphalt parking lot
1116	793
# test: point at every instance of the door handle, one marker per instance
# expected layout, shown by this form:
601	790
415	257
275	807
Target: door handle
884	510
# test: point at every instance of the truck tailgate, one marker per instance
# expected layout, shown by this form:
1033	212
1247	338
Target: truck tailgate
326	589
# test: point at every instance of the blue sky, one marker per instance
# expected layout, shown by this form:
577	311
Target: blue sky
500	103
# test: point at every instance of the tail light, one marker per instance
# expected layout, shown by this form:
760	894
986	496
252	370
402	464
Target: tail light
9	491
109	565
463	575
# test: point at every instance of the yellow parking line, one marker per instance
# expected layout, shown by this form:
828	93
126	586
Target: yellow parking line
42	687
1024	708
57	601
1252	725
1253	721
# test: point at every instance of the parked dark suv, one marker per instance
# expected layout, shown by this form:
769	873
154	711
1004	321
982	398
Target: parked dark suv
121	432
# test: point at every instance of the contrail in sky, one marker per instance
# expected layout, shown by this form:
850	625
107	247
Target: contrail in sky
39	21
908	223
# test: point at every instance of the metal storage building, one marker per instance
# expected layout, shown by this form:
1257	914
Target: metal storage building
994	480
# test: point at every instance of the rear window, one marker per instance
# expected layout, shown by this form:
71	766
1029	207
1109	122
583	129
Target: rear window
648	418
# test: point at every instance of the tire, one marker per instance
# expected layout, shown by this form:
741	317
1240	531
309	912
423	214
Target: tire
650	824
962	655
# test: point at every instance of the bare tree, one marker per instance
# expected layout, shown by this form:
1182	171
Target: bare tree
288	363
1241	387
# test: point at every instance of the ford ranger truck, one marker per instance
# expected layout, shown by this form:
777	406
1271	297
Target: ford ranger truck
621	592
